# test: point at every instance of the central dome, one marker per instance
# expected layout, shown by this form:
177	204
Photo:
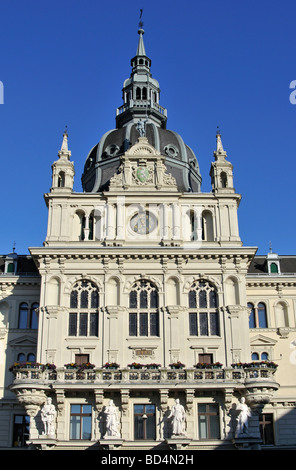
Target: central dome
141	103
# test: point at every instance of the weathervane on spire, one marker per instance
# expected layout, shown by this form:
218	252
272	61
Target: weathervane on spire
141	24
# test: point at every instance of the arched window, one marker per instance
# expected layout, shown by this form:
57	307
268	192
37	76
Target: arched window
28	316
258	316
223	178
61	179
23	315
138	93
21	357
255	357
252	323
207	226
83	315
31	357
143	314
193	225
262	319
34	316
264	356
274	268
203	310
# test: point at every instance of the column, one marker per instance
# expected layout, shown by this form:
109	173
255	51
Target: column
110	222
164	395
176	222
125	415
120	219
61	419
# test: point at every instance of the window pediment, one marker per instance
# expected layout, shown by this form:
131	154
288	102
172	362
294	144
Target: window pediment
25	341
261	340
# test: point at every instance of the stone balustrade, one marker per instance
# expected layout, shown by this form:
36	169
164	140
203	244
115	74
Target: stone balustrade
143	376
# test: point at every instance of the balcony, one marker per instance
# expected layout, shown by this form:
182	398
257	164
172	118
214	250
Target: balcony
72	378
144	104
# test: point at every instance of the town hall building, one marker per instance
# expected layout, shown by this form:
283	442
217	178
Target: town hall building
144	321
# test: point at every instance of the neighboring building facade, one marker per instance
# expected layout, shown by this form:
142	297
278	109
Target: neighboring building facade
142	269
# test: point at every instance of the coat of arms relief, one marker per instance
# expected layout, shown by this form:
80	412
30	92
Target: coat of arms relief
142	166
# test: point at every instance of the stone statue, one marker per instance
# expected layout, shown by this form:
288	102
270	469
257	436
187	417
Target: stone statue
48	416
242	419
141	128
111	421
178	418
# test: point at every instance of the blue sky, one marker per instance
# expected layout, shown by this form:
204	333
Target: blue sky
219	63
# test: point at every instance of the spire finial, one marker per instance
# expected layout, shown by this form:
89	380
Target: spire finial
65	152
219	141
64	147
141	48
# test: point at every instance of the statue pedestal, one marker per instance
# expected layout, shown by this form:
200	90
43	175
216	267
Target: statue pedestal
247	443
111	442
44	442
178	442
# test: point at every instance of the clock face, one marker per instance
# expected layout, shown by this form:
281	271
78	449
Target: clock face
143	222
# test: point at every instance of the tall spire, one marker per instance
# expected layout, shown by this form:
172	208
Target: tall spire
141	48
141	92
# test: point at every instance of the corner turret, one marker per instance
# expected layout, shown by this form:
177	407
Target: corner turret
63	169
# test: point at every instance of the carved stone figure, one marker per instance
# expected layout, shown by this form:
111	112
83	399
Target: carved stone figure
111	421
178	418
141	128
242	419
48	416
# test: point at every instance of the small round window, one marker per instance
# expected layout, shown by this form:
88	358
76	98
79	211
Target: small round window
171	150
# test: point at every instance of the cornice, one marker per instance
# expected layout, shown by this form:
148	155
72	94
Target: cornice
97	252
289	281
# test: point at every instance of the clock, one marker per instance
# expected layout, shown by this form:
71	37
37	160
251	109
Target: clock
143	222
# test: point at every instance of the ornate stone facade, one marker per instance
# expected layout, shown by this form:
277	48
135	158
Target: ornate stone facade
155	322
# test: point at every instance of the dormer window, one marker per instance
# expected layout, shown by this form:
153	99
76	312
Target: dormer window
273	263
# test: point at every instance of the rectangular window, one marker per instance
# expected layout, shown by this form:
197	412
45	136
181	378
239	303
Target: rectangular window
266	428
208	421
214	324
83	324
143	324
144	422
203	324
94	326
193	324
21	430
133	324
73	324
154	329
80	422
